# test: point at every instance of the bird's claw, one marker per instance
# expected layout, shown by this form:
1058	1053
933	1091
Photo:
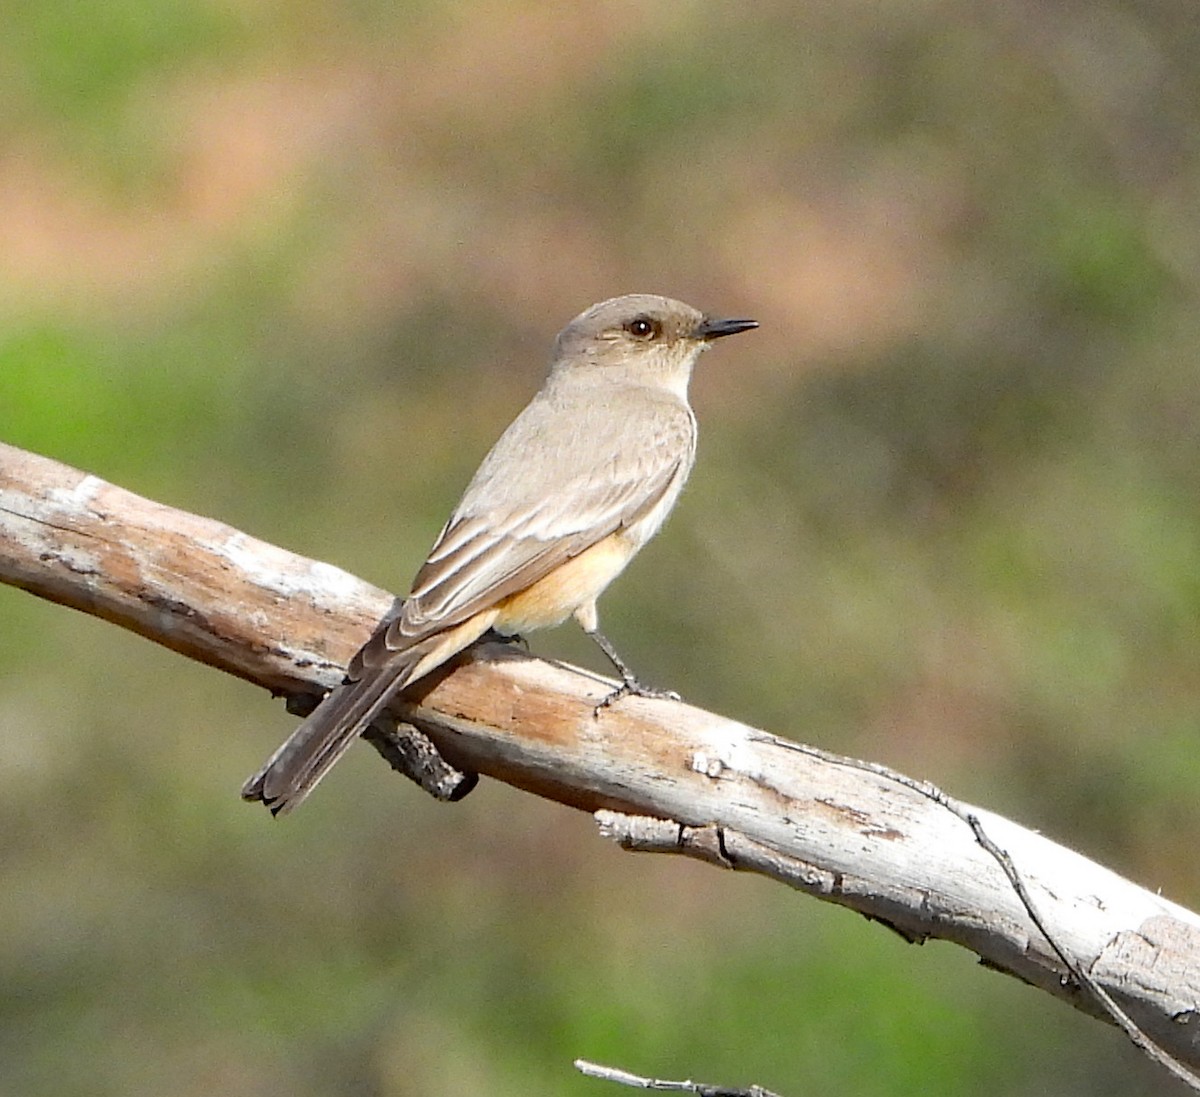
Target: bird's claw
631	687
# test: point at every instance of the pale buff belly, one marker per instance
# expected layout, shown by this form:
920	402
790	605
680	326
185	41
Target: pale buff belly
572	586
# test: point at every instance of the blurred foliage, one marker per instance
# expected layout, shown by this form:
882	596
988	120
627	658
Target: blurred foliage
294	266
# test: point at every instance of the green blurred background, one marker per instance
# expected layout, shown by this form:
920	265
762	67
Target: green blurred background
294	266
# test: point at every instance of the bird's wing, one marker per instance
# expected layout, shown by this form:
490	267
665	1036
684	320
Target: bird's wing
507	533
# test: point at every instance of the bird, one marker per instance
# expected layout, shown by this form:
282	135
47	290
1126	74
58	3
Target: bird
575	486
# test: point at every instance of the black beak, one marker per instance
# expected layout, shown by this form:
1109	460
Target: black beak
709	328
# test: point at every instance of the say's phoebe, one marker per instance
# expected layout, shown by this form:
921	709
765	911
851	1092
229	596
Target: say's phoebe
580	481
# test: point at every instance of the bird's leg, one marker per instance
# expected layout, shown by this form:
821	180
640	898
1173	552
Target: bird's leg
629	682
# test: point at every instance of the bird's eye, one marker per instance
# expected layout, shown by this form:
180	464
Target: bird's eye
642	327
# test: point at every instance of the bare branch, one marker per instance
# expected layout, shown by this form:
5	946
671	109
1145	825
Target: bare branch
700	1089
845	831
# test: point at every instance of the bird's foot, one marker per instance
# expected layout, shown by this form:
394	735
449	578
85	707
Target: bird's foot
631	687
494	637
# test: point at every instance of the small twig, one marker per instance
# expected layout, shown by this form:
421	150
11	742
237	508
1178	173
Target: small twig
1127	1024
637	1081
409	751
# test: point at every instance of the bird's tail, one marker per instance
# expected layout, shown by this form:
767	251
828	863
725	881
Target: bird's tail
380	671
293	771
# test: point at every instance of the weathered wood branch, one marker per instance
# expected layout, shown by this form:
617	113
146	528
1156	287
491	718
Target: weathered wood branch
736	796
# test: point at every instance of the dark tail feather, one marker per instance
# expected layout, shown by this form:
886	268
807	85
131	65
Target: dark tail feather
292	772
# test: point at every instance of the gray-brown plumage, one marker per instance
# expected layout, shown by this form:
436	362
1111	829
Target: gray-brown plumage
581	479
